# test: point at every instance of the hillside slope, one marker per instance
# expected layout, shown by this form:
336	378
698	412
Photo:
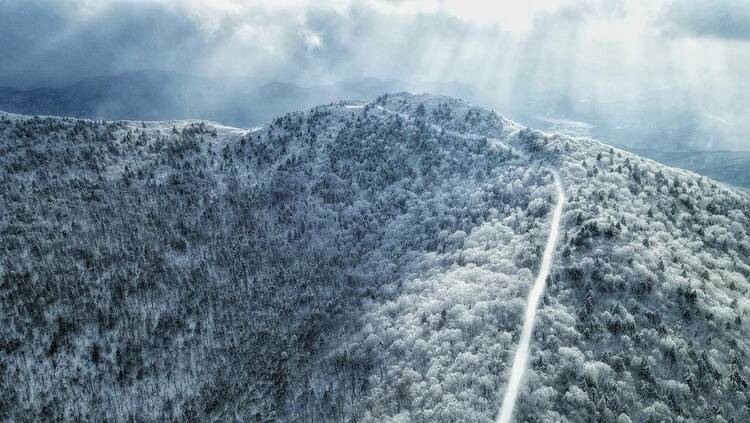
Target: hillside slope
361	262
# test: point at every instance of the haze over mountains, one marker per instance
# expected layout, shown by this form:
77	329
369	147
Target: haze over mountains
362	261
676	137
158	95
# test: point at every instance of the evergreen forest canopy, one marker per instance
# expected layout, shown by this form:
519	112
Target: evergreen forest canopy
362	262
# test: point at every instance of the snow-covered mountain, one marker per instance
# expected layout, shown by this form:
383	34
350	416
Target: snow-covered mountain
362	261
159	95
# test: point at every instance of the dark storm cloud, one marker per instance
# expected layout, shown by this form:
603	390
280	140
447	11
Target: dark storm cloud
723	19
56	42
48	40
61	42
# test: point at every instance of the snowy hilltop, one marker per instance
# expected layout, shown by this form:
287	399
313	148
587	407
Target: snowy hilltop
378	261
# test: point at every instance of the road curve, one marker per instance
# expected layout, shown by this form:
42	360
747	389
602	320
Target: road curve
522	352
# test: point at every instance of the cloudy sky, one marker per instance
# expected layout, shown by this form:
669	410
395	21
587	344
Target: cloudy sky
568	62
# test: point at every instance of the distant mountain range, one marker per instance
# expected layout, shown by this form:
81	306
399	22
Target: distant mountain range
158	95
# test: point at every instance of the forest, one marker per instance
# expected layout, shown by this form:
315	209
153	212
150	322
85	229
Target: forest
361	262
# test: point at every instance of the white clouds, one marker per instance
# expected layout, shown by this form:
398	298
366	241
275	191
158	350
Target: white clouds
313	40
508	14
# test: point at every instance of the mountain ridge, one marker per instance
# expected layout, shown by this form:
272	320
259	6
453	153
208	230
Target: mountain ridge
247	102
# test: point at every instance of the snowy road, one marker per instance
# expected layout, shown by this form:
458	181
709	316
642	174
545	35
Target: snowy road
522	352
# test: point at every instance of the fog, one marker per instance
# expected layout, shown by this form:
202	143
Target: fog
658	74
